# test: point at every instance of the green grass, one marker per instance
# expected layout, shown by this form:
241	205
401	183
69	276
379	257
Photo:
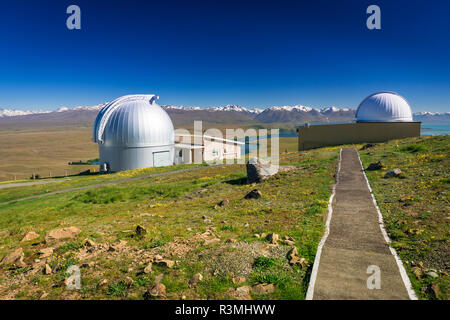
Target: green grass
167	206
416	208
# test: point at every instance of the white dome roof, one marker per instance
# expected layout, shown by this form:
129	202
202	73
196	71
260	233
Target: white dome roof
133	121
384	107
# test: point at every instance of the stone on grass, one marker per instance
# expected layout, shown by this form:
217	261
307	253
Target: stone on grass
89	243
375	166
393	173
224	203
195	279
45	252
15	257
158	290
263	288
432	274
148	269
259	169
62	233
30	236
254	194
47	269
140	230
273	238
238	280
166	263
128	281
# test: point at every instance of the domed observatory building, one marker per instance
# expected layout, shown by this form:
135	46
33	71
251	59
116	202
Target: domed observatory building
384	107
380	117
134	132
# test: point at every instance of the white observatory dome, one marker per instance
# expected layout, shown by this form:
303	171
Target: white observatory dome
134	132
384	107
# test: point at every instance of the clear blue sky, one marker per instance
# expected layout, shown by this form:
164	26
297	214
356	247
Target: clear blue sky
206	53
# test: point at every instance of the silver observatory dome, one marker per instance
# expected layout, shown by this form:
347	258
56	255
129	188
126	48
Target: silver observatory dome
134	132
384	107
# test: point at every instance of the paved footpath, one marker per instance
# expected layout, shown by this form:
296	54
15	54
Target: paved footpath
355	241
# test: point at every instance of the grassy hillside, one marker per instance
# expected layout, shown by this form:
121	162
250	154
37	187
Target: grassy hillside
416	207
182	225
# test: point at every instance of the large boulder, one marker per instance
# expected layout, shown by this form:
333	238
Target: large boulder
259	169
63	233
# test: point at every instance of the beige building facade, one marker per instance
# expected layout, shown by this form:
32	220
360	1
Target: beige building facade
188	148
315	136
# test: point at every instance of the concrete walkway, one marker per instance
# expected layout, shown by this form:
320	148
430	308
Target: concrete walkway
356	240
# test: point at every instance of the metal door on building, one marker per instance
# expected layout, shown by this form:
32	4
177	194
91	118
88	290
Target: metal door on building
161	159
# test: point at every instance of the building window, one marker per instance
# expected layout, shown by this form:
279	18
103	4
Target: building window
215	153
180	153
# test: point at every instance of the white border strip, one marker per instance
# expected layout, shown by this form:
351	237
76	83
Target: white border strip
405	278
312	280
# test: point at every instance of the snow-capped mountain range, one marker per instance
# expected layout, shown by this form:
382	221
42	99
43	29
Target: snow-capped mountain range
228	113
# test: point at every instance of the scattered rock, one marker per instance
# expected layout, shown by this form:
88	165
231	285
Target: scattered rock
433	289
183	297
417	272
166	263
30	236
45	252
246	225
195	279
104	282
393	173
128	281
47	269
287	237
288	242
140	230
15	257
62	233
189	229
238	280
375	166
256	235
211	241
254	194
273	238
241	293
263	288
158	290
432	274
148	269
43	296
263	235
367	146
89	243
231	240
294	259
259	169
224	203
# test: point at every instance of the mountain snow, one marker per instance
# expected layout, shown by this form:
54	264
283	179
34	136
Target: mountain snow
227	108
